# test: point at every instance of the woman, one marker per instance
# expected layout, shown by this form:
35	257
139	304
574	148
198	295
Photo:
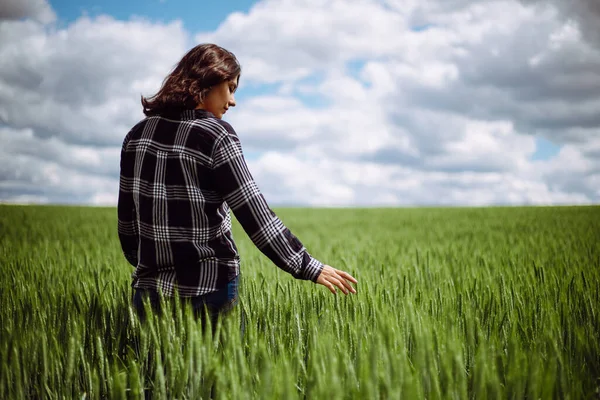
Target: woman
182	168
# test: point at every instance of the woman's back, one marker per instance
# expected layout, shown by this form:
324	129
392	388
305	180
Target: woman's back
169	204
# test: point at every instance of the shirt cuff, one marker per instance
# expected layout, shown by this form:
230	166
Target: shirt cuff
313	269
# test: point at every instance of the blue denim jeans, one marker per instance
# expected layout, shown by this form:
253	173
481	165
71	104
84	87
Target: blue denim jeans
216	303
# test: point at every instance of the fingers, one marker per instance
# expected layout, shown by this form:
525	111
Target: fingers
347	276
346	284
329	286
343	277
341	283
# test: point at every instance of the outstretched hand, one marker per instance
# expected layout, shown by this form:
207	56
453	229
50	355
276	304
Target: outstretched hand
332	278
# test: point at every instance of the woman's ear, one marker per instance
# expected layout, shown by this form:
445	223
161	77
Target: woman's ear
199	98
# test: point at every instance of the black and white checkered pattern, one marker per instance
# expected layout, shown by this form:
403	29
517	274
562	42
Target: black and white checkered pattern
180	174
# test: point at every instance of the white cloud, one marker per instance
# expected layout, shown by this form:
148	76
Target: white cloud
83	83
585	12
306	32
24	176
39	10
462	95
349	183
366	109
105	198
100	160
67	98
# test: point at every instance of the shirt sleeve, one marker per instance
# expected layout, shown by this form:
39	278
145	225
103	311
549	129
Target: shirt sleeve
127	226
238	188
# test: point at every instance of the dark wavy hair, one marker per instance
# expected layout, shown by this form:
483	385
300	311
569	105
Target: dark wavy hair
203	67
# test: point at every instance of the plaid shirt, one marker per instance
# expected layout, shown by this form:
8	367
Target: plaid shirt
180	174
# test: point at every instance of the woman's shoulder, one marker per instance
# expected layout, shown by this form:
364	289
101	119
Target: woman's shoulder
215	126
134	131
206	133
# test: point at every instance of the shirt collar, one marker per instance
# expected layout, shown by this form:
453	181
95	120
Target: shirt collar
195	114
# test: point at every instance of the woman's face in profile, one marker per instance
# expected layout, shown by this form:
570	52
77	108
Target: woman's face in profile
220	97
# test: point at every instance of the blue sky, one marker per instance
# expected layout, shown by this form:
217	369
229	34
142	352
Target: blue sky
196	15
545	149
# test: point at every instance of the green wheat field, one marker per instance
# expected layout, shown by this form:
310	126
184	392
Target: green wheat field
452	303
